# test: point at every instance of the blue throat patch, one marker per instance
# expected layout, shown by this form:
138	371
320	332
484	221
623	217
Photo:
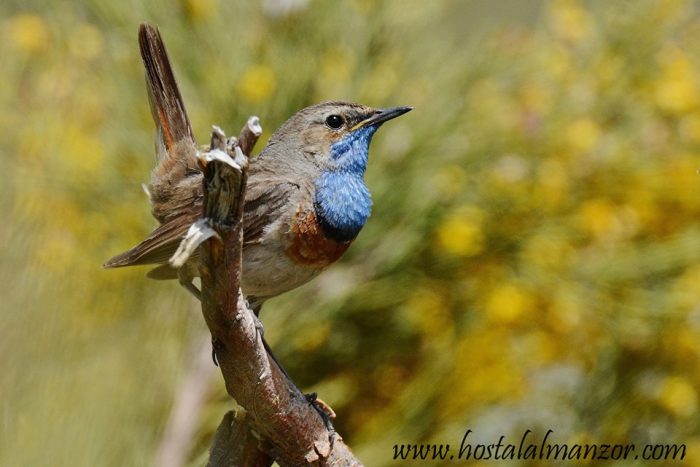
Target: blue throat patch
343	202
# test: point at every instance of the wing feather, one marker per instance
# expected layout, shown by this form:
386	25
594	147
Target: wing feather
159	246
267	200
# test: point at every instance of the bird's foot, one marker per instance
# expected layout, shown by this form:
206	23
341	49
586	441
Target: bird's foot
324	411
259	325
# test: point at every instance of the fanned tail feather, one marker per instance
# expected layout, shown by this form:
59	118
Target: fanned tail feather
175	190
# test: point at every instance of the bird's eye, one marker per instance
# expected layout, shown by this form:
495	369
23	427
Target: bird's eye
335	121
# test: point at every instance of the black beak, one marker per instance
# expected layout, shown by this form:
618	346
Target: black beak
381	116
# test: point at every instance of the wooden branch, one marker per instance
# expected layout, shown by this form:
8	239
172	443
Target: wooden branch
278	416
235	444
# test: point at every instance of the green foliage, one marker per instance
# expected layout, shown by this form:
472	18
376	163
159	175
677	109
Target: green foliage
532	261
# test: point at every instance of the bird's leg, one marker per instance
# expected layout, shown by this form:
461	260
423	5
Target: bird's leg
191	288
186	280
260	329
255	305
323	410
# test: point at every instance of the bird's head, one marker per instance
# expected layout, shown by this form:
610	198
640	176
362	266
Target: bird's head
335	135
330	142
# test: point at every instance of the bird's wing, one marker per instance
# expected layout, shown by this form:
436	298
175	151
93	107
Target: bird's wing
158	247
266	201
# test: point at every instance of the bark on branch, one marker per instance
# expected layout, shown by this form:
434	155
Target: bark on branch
279	423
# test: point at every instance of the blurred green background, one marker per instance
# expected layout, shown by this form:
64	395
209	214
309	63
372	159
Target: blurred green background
532	260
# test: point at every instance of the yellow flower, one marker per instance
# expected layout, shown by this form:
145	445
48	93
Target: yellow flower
676	95
582	135
676	91
257	84
598	217
461	233
506	303
29	33
678	396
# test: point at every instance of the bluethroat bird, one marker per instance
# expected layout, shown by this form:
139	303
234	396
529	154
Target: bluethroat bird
306	198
